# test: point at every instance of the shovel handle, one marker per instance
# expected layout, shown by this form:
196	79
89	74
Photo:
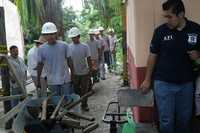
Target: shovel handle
91	128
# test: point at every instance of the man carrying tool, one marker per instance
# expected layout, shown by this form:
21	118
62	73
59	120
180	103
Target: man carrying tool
81	57
21	73
32	64
95	49
113	42
102	71
54	57
107	53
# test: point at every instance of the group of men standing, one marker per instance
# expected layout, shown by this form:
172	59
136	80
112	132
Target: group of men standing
65	68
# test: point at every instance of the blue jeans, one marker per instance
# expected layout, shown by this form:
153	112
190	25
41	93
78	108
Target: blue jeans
174	102
65	89
15	91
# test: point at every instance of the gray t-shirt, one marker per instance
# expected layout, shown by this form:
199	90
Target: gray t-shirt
105	40
94	46
55	64
20	69
79	54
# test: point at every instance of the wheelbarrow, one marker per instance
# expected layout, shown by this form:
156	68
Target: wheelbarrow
127	98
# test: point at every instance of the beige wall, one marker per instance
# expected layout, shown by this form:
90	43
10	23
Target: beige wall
142	17
14	33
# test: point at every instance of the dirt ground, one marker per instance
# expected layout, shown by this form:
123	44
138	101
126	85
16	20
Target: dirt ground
105	91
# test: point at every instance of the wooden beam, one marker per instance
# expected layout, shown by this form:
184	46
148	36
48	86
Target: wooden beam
69	122
57	107
90	93
91	128
44	107
9	115
80	116
74	104
7	98
14	73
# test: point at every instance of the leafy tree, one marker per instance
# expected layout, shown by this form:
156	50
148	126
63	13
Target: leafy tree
105	13
69	21
34	13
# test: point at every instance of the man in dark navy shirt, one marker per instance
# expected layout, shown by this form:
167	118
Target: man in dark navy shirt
173	49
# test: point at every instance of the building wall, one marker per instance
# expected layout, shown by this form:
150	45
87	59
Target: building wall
143	16
14	34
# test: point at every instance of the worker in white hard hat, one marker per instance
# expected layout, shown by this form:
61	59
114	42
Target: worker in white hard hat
102	70
101	28
107	53
32	64
81	58
113	42
95	49
55	57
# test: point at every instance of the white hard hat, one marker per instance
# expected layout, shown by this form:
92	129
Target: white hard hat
73	32
111	30
91	31
49	28
96	31
101	28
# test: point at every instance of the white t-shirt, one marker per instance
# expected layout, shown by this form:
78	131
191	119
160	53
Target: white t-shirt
20	69
94	46
33	61
79	54
54	57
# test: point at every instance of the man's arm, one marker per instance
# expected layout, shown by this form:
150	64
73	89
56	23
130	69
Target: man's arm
102	50
71	66
107	39
39	72
145	86
194	54
114	48
89	61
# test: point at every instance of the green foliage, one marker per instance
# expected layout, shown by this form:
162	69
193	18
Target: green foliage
34	13
29	18
69	21
69	18
89	18
106	13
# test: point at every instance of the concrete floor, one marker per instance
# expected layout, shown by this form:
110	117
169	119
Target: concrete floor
105	91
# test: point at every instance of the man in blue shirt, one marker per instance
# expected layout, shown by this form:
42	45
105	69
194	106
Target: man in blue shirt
54	57
173	48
